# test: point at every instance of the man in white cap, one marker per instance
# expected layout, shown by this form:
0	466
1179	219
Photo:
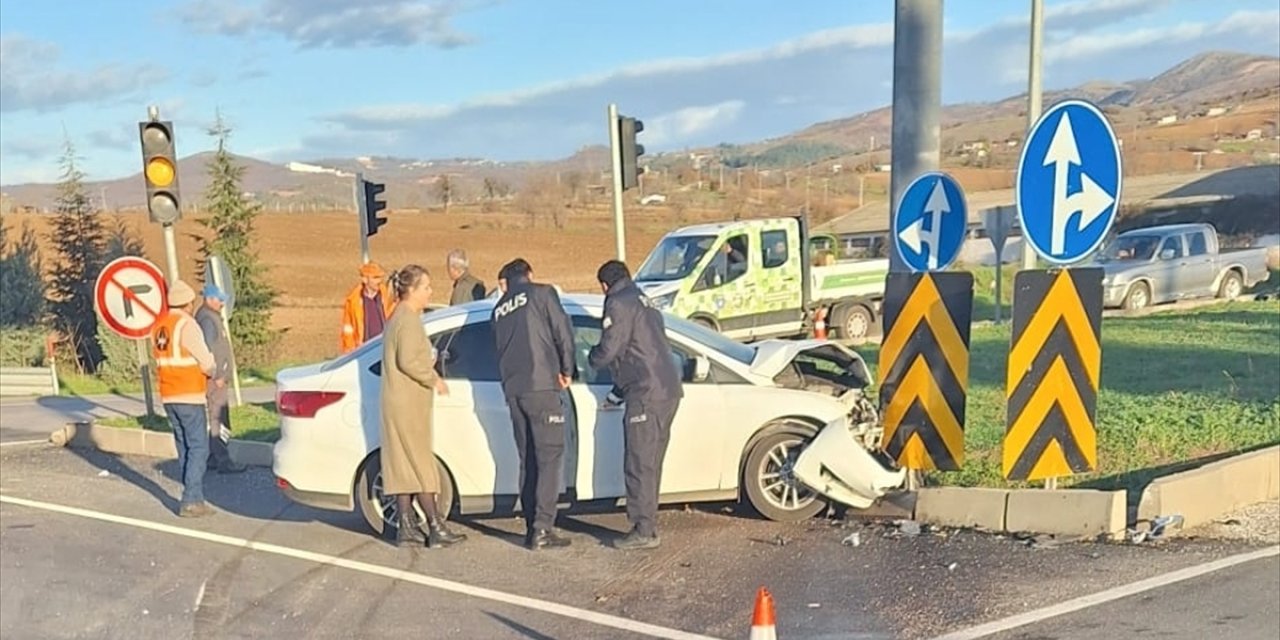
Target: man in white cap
184	365
209	317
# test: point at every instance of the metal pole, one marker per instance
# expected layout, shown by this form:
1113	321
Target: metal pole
1033	102
619	234
362	213
235	367
144	365
171	253
917	100
999	270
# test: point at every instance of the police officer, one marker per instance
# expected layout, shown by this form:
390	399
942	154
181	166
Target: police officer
634	346
535	357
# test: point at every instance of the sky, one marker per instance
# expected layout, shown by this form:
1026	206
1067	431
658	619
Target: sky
300	80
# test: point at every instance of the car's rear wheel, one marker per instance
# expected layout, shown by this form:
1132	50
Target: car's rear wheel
770	483
379	509
1231	287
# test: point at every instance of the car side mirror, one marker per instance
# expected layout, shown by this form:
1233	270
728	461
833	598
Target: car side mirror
701	368
1167	254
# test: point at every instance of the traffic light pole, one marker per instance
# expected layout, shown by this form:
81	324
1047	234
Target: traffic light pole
1033	108
362	214
615	146
171	252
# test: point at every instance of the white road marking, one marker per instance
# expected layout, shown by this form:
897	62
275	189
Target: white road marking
1103	597
574	613
200	594
22	442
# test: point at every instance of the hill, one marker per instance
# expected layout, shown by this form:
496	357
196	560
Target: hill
1213	80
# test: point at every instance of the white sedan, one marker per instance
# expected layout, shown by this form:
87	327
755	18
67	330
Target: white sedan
747	414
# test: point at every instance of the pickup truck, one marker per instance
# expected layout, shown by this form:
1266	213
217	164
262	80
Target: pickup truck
1175	262
764	278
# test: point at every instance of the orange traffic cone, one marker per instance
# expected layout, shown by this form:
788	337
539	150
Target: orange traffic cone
762	622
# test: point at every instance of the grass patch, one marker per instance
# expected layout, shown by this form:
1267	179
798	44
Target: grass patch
79	384
1175	386
257	422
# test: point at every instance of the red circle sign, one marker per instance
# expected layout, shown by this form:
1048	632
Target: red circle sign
130	295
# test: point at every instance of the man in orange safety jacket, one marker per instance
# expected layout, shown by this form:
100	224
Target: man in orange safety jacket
366	308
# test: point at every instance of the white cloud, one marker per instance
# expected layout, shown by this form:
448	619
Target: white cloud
334	23
30	78
672	129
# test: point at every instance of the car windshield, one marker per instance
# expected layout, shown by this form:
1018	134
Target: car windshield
674	258
710	338
1125	248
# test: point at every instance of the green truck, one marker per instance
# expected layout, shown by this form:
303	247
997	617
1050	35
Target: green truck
756	279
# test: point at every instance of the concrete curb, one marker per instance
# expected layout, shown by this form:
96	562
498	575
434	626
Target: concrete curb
1209	492
1082	513
155	444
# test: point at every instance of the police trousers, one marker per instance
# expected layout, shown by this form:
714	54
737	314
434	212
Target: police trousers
646	429
538	421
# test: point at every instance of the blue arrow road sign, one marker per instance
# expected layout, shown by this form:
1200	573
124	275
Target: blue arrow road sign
930	222
1069	181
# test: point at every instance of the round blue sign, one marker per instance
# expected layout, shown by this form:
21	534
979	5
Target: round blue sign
930	222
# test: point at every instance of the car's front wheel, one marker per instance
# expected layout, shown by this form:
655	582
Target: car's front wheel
379	509
769	479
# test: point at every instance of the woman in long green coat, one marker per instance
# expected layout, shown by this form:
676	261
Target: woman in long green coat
409	385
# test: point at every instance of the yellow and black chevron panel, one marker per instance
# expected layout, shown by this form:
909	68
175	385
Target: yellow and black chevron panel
1055	360
924	367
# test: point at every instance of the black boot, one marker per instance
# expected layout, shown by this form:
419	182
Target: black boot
439	535
408	530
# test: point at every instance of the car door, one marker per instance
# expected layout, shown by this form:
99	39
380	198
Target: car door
1168	266
1198	275
696	432
728	284
473	422
781	303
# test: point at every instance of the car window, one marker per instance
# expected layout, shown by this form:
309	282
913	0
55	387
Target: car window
586	334
467	353
773	248
1196	244
1172	243
729	263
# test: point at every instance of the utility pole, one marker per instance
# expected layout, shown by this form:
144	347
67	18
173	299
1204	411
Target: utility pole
917	100
1033	102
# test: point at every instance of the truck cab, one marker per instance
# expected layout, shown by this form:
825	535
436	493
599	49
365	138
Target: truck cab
754	279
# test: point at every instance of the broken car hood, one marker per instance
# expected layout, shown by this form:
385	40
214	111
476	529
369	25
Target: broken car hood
772	356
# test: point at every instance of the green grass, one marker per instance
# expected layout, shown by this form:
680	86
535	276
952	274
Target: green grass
79	384
257	422
1175	386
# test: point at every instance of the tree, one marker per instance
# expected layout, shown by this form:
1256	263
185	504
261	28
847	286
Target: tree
444	190
230	225
79	241
21	279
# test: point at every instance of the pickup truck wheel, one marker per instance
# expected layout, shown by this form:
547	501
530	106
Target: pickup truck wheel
771	487
379	509
1139	296
1231	286
853	321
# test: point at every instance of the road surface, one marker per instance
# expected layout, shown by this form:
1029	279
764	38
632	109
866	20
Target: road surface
89	546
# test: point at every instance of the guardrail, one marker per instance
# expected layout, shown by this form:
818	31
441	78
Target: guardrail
32	381
28	381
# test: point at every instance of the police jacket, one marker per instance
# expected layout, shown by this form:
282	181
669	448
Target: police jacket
634	347
534	338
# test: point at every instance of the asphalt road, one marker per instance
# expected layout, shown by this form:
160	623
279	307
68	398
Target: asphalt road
24	419
89	546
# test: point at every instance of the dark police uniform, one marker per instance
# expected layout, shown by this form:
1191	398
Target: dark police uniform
634	347
535	344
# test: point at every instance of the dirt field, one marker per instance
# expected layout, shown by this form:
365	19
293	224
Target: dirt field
313	257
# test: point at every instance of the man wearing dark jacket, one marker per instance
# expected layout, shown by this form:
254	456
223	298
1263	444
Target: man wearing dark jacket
210	321
535	358
634	346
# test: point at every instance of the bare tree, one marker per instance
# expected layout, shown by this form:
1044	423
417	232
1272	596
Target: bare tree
444	190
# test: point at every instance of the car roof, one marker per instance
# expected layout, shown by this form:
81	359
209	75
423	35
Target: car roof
1168	228
584	301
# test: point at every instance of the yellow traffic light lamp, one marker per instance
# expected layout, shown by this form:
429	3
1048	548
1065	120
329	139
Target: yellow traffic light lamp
160	171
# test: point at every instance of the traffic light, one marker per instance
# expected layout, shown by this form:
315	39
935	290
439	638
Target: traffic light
160	171
372	205
629	150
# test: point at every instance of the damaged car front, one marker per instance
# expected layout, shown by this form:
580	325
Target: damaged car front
844	461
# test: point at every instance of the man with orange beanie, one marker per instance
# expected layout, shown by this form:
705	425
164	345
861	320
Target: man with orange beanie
366	308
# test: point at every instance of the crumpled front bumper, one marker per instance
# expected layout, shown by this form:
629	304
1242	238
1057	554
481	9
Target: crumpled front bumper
837	466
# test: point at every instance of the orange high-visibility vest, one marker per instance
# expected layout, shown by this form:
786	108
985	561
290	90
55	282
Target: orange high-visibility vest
178	371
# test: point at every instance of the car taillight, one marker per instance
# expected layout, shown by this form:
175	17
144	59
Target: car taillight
305	404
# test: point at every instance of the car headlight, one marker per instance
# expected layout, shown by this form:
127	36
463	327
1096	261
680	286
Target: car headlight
664	301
